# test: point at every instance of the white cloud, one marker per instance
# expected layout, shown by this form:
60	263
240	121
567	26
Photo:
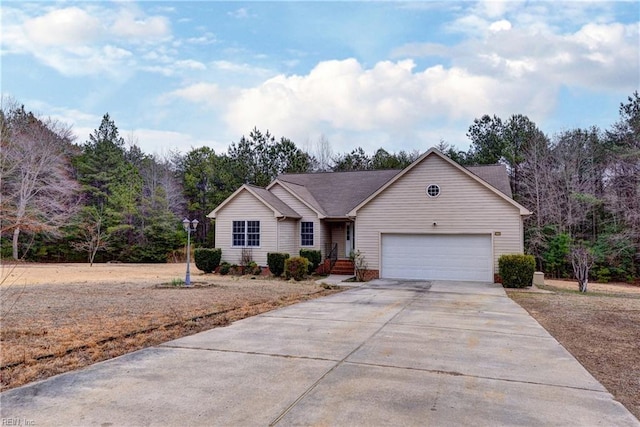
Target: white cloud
79	120
205	39
476	19
63	27
199	93
190	64
391	100
244	68
82	60
154	141
161	141
115	53
81	41
501	25
497	8
134	27
241	13
595	56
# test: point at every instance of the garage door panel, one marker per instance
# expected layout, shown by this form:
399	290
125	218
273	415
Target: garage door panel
437	257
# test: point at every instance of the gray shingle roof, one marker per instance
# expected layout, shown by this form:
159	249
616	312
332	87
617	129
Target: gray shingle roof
496	175
336	193
275	202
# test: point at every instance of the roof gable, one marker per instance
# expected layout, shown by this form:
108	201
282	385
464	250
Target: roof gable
301	193
475	176
280	209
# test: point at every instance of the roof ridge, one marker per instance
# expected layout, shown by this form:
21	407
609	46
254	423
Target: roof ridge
336	172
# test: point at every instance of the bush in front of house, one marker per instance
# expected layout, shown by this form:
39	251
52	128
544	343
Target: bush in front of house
314	257
207	259
275	261
296	268
253	268
516	270
225	268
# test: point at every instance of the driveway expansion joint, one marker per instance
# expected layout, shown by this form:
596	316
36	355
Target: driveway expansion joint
341	362
482	377
252	353
452	328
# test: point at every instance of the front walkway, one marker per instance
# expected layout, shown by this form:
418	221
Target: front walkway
386	353
338	280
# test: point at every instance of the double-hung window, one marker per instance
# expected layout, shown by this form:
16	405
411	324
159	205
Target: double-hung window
246	233
306	233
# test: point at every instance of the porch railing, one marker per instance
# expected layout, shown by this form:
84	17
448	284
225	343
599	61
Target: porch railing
332	254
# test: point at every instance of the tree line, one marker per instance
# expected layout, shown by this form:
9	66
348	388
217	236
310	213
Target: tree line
105	200
581	185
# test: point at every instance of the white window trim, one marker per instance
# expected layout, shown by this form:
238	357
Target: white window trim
246	233
430	195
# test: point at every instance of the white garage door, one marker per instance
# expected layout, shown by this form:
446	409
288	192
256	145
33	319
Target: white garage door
437	257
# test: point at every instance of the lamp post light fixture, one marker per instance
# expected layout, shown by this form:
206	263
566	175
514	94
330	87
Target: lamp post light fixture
189	226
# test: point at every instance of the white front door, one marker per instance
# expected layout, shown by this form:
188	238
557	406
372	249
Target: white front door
349	240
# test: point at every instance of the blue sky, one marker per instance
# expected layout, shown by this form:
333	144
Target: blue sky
176	75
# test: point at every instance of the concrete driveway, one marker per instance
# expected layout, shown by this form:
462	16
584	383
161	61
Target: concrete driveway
388	353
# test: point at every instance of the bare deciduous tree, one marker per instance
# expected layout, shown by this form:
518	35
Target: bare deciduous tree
38	190
582	260
92	233
322	154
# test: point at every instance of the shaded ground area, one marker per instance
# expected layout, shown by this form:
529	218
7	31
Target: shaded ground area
60	317
600	328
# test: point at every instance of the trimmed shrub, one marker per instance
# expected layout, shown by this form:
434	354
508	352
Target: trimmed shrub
253	268
207	259
275	261
516	270
314	257
225	267
296	268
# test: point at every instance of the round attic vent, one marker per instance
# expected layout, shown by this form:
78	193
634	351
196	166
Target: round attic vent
433	190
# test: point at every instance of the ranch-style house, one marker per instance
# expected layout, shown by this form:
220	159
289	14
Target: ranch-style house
433	220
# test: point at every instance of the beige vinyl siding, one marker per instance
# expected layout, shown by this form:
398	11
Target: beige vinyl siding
287	234
245	207
464	206
307	214
325	237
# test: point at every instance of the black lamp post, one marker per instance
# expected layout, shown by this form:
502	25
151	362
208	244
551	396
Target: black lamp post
189	226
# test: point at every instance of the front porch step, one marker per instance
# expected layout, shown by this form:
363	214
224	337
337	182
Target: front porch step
343	267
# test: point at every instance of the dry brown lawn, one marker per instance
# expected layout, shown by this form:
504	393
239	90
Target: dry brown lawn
600	328
60	317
